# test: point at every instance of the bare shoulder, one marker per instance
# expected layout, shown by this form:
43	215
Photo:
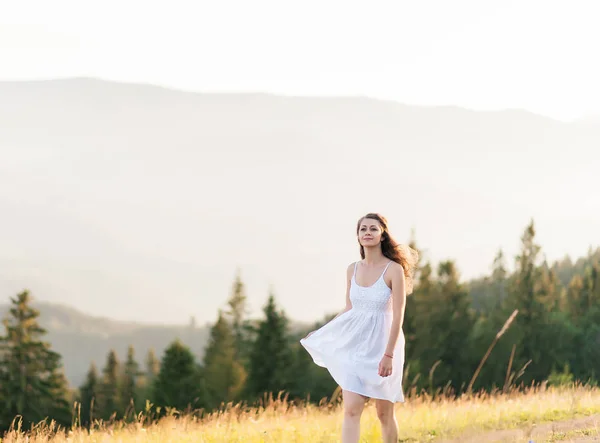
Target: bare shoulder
350	270
397	270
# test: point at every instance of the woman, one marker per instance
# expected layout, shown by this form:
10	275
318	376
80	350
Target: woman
363	346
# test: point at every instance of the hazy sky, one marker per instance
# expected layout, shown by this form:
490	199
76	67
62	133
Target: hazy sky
530	54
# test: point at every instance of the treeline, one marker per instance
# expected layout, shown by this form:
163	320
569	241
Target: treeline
449	327
554	336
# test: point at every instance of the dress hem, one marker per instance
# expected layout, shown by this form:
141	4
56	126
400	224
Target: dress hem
319	362
373	397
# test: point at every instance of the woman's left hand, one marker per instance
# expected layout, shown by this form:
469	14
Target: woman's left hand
385	366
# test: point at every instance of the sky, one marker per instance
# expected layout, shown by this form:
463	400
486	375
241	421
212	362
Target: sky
534	55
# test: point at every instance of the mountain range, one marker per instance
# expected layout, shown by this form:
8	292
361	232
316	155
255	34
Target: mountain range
140	203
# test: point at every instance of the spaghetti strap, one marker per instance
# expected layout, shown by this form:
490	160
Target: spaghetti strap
354	275
385	269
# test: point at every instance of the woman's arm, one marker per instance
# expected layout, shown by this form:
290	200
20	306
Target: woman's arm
398	304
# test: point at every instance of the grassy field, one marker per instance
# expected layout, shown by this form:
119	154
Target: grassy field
421	419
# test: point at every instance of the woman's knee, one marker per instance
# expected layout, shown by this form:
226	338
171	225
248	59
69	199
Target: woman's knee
385	413
353	404
354	411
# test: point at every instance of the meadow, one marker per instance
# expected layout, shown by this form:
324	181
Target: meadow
476	417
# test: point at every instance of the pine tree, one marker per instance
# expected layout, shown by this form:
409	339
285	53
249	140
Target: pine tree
270	356
32	383
409	327
60	405
223	375
152	365
422	354
109	401
527	296
548	288
237	316
488	324
179	384
555	334
591	287
574	302
88	396
453	317
588	362
147	377
129	384
499	279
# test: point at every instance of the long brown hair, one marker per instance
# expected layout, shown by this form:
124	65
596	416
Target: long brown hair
404	255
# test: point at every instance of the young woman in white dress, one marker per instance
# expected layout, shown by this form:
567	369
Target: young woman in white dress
363	346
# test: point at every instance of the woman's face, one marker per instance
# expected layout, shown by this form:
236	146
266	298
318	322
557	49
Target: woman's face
369	232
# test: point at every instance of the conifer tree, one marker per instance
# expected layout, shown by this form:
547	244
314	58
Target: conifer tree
527	295
147	377
223	375
109	401
32	383
88	396
409	328
499	279
590	297
548	289
179	383
129	384
270	357
152	365
454	318
587	364
236	313
486	326
572	302
422	355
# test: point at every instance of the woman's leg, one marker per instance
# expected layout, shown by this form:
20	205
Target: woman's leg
353	407
389	426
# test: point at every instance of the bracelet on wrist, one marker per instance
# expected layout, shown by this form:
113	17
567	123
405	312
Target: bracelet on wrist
388	355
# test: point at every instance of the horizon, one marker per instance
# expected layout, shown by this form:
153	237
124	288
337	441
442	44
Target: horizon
208	323
581	118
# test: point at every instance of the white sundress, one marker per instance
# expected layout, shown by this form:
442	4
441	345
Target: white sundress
352	345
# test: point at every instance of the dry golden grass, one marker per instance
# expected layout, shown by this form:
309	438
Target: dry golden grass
420	419
575	435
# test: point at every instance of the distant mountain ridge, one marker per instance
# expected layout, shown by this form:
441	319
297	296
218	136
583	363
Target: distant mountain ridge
139	202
